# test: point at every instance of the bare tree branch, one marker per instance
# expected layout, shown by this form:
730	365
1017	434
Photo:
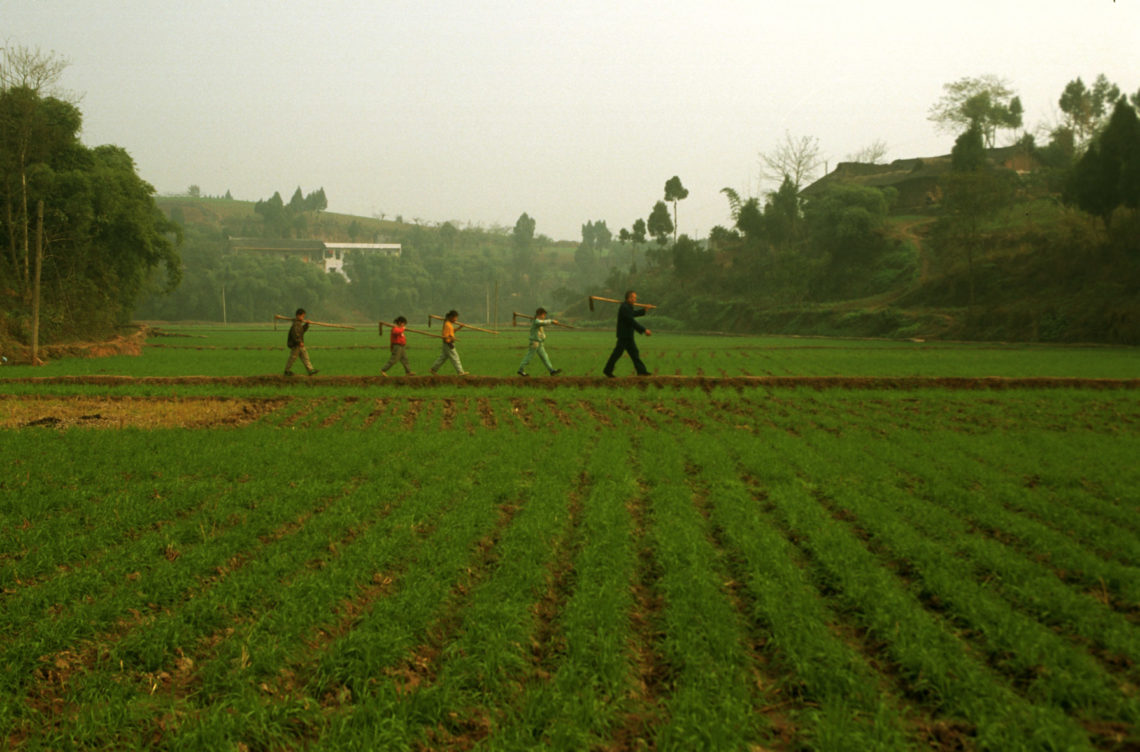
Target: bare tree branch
794	158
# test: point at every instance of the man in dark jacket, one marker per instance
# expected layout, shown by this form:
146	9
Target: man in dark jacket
296	343
627	325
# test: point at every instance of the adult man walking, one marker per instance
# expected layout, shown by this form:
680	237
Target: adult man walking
627	325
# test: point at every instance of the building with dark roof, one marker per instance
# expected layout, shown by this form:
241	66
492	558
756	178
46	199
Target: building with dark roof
917	179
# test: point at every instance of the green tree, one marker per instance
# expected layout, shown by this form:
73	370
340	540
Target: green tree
660	226
102	232
1086	109
847	223
297	202
316	201
972	192
522	240
689	259
37	129
1108	175
596	238
969	152
675	192
638	232
987	102
782	215
275	222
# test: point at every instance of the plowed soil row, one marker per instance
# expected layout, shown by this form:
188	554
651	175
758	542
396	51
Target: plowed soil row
29	411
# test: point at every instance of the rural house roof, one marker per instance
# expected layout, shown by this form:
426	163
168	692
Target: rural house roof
918	170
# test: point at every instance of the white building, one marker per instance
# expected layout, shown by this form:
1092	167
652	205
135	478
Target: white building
335	253
330	256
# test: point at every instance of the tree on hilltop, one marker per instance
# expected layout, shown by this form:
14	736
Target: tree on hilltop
1108	175
1087	108
873	153
986	102
297	202
316	201
796	159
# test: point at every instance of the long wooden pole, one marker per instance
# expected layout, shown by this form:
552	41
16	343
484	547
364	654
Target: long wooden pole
459	323
611	300
516	314
315	323
408	329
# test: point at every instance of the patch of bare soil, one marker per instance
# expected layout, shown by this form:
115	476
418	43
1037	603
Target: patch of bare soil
34	411
128	344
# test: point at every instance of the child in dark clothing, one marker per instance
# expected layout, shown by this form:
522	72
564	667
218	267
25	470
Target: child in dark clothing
296	344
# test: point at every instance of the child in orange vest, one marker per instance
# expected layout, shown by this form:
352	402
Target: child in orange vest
448	351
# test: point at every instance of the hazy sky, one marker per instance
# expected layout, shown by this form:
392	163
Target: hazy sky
569	111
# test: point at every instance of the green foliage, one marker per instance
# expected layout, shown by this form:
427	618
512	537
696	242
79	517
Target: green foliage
782	215
969	153
102	233
1108	175
660	225
596	240
675	192
986	102
522	238
689	259
1085	109
847	222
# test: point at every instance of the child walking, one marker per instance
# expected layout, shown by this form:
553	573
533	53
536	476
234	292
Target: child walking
296	344
448	351
537	343
397	341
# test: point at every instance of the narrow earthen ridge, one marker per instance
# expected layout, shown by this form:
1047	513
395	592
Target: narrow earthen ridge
902	383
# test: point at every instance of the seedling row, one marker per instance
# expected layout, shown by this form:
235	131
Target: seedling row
675	569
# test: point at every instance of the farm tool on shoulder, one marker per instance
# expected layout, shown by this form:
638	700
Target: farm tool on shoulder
459	324
592	298
406	329
277	316
515	316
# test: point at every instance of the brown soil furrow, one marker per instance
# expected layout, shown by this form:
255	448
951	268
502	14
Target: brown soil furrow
890	383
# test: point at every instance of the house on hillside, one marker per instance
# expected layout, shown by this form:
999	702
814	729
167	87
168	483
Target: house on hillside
329	256
917	179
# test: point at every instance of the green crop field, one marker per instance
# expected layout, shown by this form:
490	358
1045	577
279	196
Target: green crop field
771	543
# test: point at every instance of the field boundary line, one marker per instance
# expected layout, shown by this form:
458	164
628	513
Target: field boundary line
898	383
